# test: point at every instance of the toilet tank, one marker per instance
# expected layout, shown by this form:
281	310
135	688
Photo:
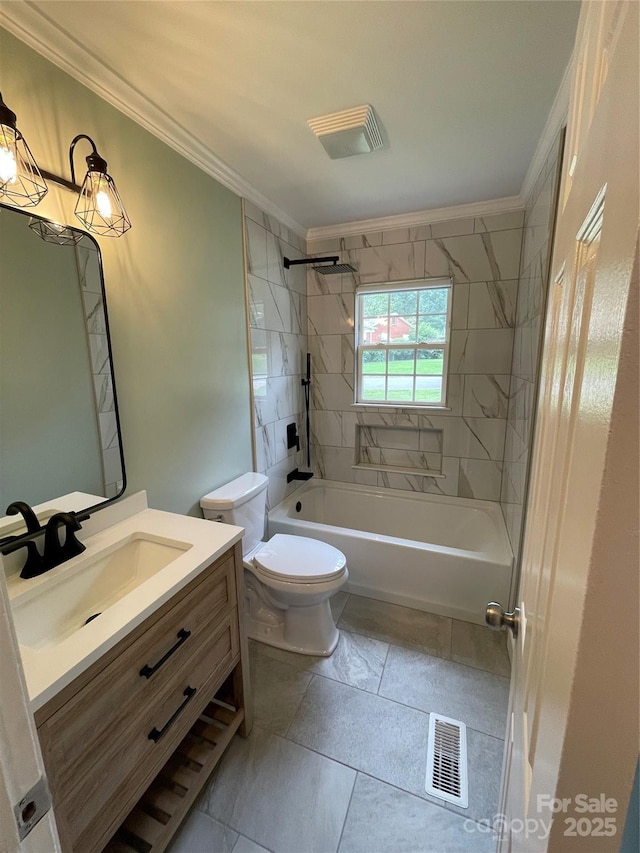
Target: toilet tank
243	502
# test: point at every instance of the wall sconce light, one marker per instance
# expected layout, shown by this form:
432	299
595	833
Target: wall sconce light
21	181
99	206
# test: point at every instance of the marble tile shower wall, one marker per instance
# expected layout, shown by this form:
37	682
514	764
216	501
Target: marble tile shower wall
538	224
482	256
278	336
90	287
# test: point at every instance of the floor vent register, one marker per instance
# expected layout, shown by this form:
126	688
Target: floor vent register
447	776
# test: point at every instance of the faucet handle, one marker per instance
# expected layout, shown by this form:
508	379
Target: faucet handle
72	546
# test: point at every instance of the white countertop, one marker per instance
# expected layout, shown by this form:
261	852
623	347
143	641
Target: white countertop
53	667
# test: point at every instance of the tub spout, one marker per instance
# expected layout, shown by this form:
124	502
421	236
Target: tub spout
299	475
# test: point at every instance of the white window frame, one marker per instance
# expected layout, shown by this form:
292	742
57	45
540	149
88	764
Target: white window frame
360	346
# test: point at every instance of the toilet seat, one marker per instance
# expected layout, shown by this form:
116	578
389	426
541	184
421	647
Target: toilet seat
298	559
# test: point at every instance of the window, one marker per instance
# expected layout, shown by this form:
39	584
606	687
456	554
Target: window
402	342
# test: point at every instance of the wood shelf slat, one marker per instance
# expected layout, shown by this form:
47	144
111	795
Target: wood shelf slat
154	821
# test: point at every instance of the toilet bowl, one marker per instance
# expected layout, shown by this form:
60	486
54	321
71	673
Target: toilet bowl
289	580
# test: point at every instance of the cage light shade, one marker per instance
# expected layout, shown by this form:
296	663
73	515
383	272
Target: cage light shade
21	183
52	232
99	206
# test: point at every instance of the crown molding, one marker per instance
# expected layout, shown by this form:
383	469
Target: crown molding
42	34
420	217
555	120
38	31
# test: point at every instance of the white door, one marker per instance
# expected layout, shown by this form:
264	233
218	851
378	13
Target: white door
21	766
572	742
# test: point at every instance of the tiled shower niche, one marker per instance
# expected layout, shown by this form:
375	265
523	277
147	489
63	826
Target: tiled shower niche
401	450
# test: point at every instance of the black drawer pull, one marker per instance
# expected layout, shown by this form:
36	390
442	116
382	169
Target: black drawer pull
156	734
147	671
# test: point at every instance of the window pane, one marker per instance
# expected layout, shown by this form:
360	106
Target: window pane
394	326
400	388
432	328
402	361
428	389
375	304
429	362
373	387
434	300
374	361
375	330
403	329
404	302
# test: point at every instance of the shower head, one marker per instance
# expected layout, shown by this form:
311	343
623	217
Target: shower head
325	266
334	269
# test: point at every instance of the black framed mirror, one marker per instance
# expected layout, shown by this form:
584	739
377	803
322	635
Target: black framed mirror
60	438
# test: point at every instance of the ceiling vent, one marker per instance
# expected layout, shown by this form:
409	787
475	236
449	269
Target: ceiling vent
349	132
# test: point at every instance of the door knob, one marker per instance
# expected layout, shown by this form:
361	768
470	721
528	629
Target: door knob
498	620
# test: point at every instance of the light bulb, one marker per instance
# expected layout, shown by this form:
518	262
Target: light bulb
8	167
21	183
99	207
103	203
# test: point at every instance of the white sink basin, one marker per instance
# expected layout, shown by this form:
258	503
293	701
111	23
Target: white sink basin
62	605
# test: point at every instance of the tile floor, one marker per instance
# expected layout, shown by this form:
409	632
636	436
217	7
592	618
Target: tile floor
337	757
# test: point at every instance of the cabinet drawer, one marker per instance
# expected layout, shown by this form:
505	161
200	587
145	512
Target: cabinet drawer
104	791
142	675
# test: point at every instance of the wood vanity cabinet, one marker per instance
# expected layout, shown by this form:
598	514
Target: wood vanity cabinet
131	741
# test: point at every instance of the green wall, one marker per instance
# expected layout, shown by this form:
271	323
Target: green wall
175	286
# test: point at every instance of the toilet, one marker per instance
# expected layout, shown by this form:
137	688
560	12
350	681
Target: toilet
288	580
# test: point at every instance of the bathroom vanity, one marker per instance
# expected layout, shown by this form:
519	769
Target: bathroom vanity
134	650
135	708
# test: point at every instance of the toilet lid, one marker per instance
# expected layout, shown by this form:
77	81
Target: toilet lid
299	558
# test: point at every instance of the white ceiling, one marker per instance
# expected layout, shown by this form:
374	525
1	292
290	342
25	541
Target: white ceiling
461	87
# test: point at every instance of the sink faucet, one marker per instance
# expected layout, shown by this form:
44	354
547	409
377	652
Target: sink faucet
30	518
54	553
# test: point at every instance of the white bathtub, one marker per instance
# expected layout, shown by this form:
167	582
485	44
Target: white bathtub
445	555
